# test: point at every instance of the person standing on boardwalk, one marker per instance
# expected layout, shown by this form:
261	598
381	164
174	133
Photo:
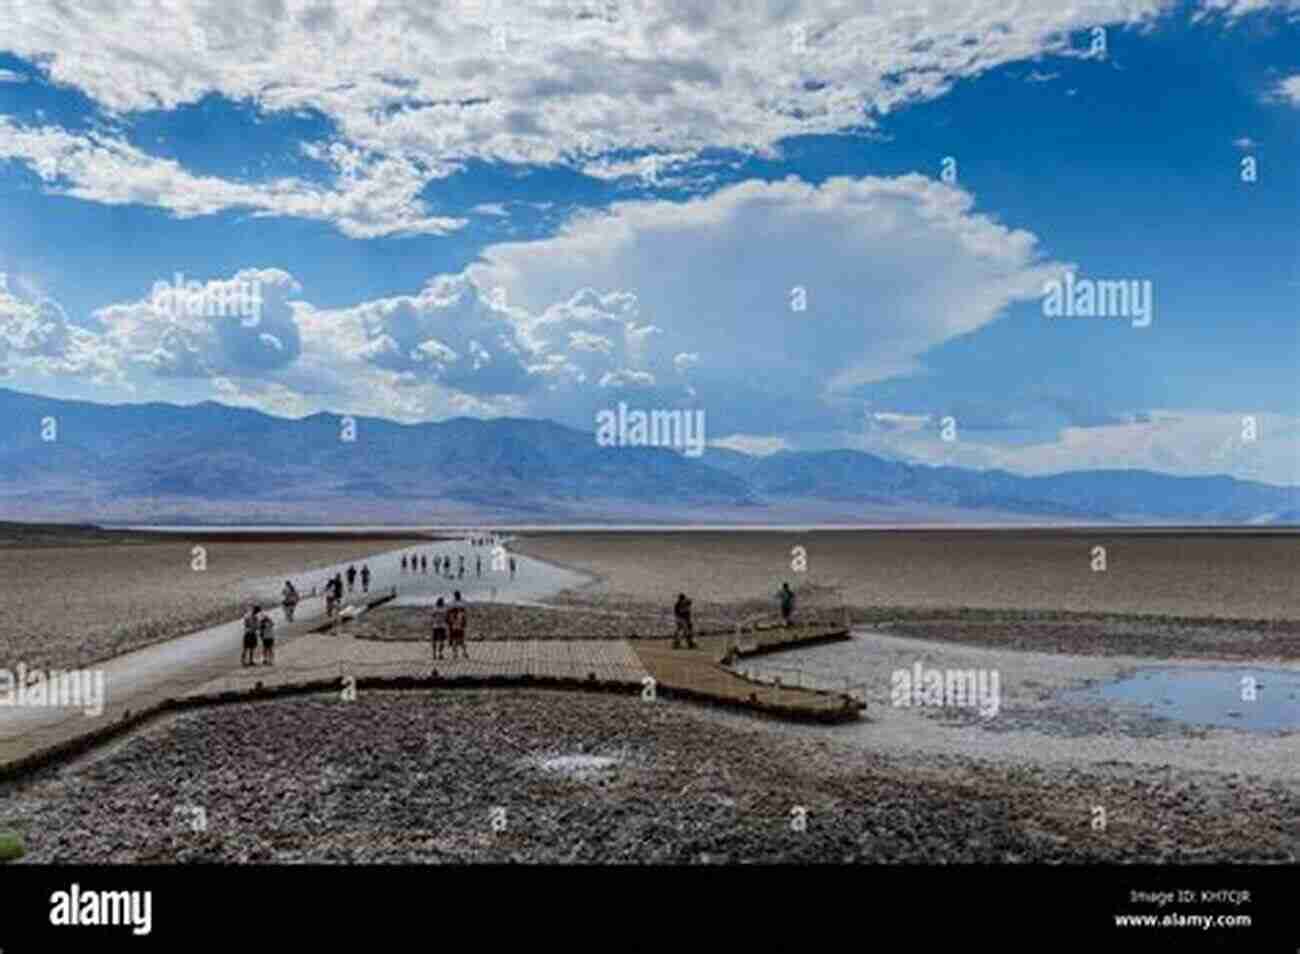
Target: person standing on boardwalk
787	603
290	601
252	624
439	628
352	577
267	628
424	564
457	622
512	568
682	612
437	564
365	578
403	562
478	566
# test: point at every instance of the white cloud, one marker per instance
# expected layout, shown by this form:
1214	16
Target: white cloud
752	444
1234	9
415	90
373	196
892	267
1188	443
9	76
1288	90
1245	142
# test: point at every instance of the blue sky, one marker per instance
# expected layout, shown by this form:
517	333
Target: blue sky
450	209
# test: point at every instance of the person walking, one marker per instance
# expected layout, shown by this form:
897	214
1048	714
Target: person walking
457	622
437	564
290	601
478	566
787	603
352	577
424	565
252	624
365	578
439	628
685	628
512	568
403	562
267	628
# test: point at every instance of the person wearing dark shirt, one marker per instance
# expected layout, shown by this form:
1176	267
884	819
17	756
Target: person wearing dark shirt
682	612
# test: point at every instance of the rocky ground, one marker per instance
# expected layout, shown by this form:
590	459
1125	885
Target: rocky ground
1045	631
541	777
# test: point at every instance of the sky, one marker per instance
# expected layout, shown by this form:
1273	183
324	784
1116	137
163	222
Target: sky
824	224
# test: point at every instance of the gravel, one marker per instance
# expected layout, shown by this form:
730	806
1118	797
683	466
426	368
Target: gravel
462	777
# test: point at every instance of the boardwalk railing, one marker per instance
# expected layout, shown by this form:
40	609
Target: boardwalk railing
798	677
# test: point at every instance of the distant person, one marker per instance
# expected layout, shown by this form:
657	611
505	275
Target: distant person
332	597
787	603
682	614
512	568
478	566
338	591
424	564
439	628
403	563
365	578
267	628
290	600
457	622
352	577
437	564
252	625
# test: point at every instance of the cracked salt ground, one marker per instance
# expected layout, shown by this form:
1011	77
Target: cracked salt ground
581	767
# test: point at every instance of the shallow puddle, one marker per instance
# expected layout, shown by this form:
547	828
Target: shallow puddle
1235	697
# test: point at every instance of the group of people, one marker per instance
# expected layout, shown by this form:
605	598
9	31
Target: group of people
258	625
334	588
685	627
419	563
449	626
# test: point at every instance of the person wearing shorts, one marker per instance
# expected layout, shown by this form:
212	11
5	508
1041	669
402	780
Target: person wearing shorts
457	623
267	627
252	624
439	628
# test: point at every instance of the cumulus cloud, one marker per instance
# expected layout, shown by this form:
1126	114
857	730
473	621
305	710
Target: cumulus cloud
415	91
243	325
890	268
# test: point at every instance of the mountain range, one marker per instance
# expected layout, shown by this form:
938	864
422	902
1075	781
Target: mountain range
162	463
